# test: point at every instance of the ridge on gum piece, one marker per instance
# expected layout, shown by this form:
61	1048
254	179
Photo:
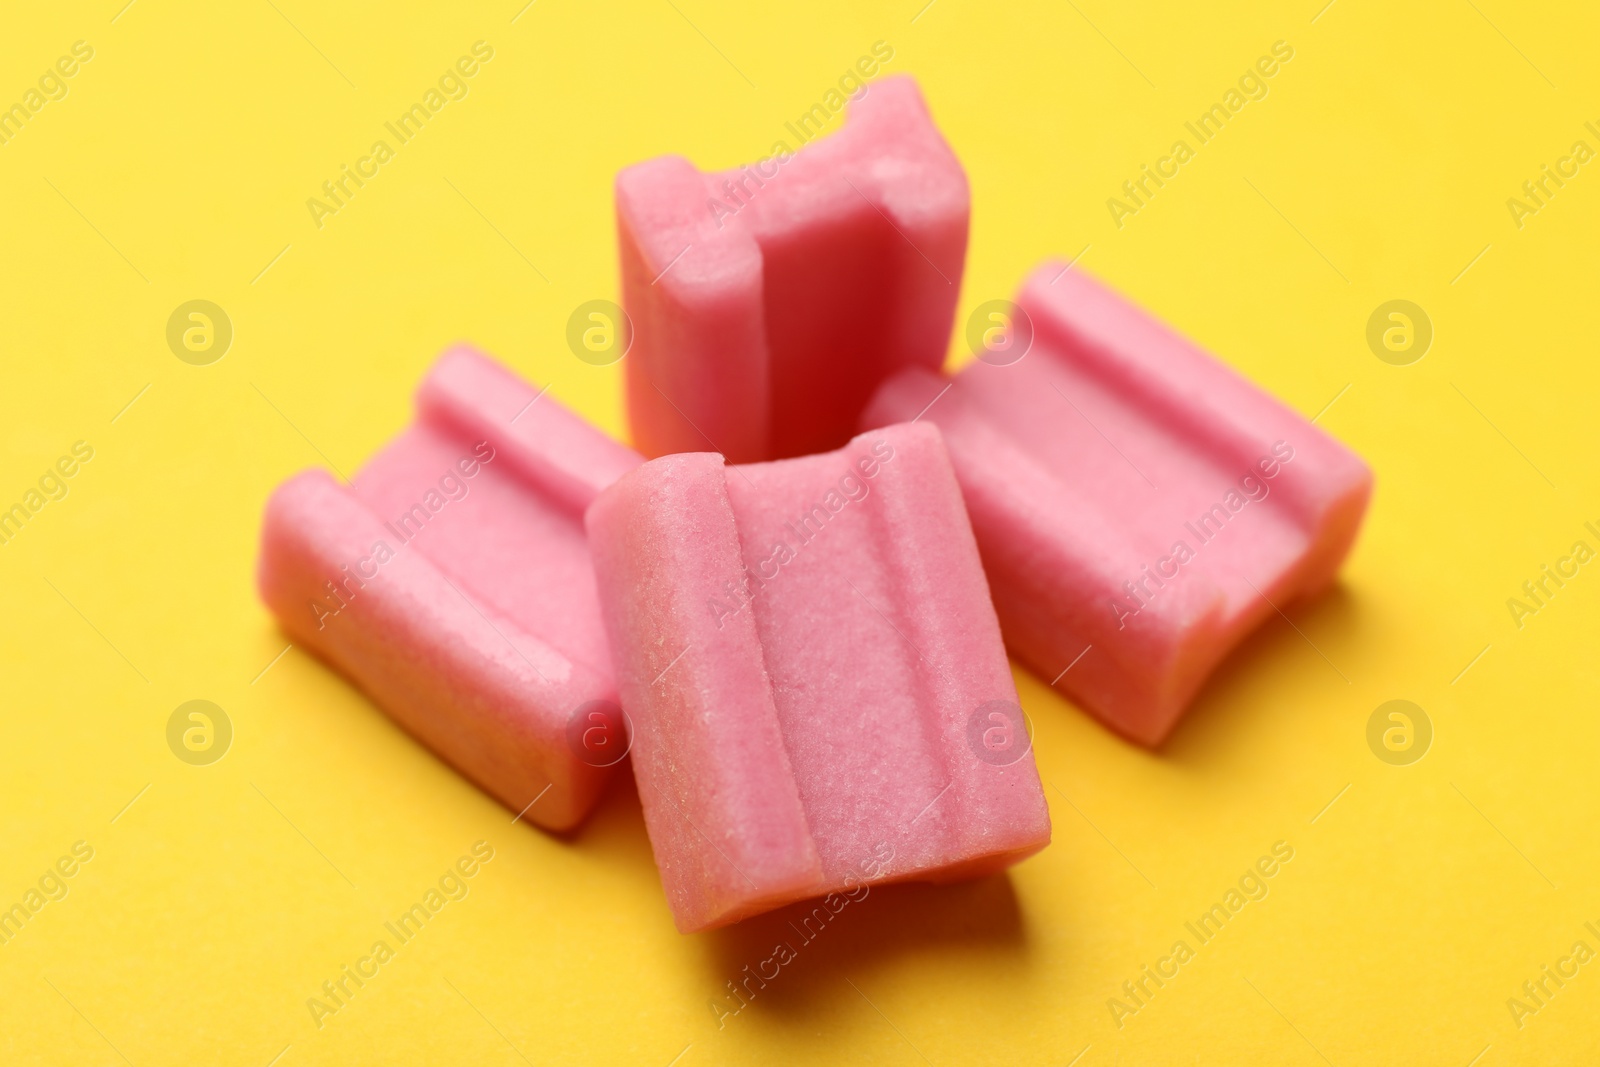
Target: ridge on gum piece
810	659
768	301
1139	506
451	582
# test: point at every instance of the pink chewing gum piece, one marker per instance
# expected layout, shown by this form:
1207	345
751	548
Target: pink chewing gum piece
1137	503
804	647
769	301
451	581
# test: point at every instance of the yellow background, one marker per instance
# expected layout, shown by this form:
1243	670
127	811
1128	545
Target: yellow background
1378	167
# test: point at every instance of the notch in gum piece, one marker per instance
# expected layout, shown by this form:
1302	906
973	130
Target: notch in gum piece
1137	503
819	692
769	301
451	581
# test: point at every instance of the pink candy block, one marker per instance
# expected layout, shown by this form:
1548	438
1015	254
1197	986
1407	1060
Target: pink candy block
451	581
1137	503
769	301
818	688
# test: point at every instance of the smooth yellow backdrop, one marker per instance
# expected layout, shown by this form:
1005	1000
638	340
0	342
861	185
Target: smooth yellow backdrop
219	898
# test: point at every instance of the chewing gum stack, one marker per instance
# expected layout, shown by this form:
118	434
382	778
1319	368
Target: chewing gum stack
451	581
1139	506
809	642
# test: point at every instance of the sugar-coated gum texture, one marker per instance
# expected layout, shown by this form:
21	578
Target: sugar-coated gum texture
802	645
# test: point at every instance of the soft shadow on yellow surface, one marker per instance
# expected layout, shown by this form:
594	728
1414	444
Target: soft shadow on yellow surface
823	951
1220	710
981	915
